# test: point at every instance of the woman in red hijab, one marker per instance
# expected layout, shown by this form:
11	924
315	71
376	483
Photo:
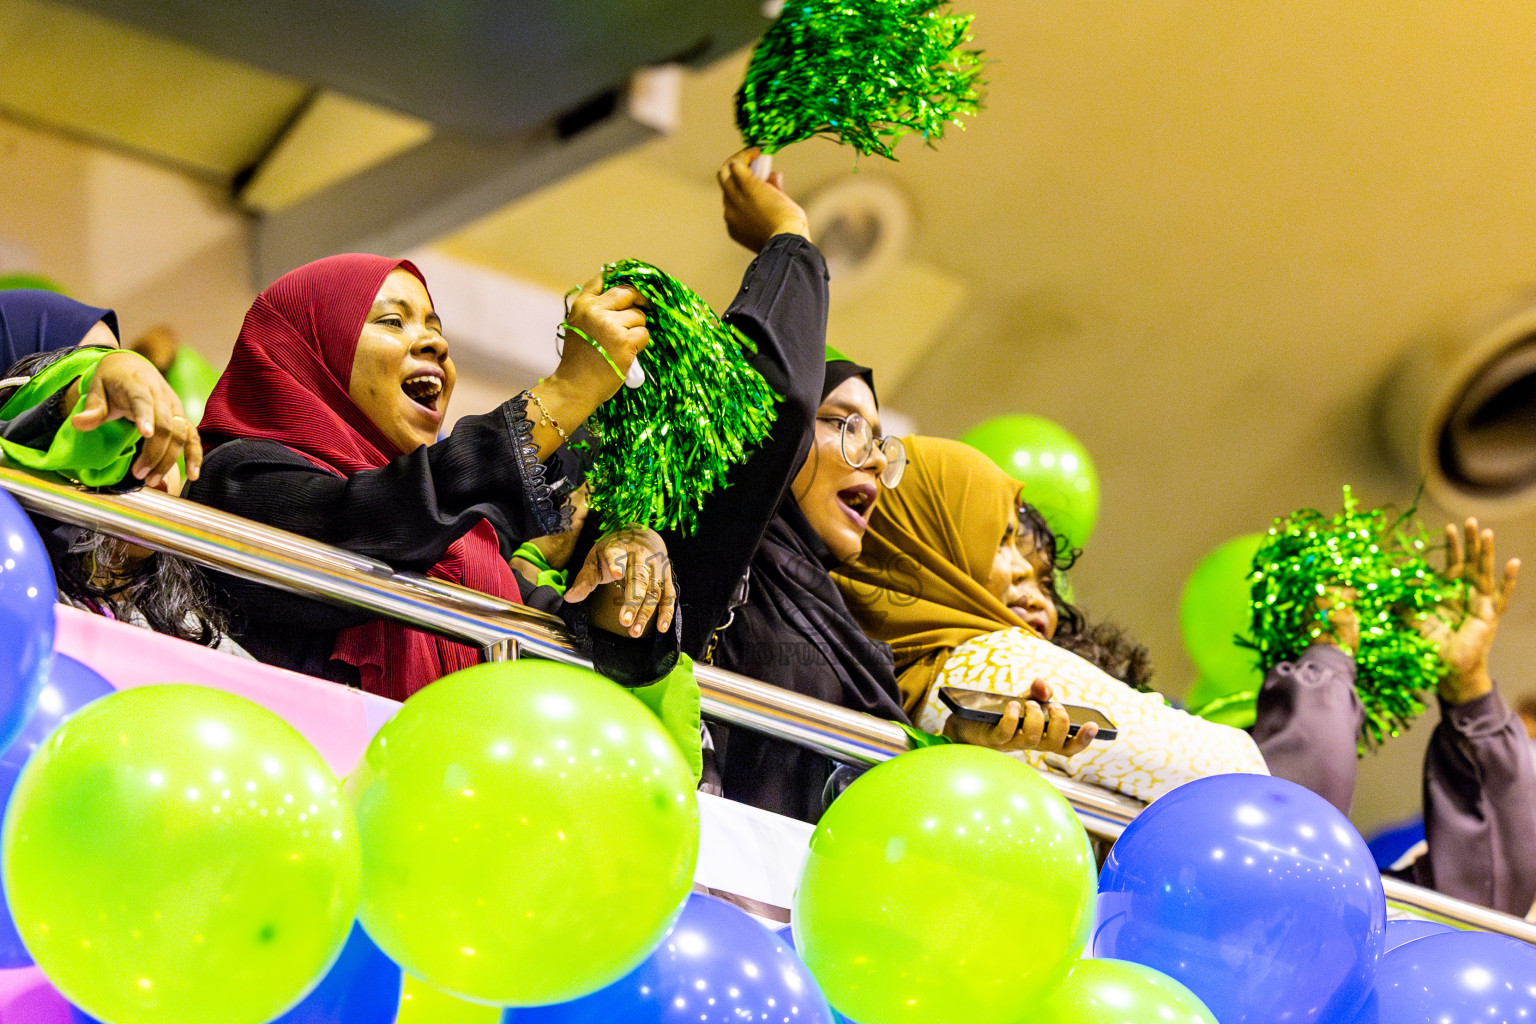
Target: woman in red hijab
325	423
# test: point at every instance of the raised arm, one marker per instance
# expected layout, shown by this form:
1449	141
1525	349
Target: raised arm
782	310
1479	785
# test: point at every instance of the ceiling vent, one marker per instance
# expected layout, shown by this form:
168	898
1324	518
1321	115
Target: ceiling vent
863	226
1459	412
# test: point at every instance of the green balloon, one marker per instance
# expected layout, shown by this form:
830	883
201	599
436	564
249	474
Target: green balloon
1057	471
1217	702
529	833
951	885
177	855
192	378
1121	992
36	282
1216	607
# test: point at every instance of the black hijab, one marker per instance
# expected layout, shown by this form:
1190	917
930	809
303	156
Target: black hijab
33	321
795	631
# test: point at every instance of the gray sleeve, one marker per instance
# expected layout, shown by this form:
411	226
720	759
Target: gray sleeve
1308	723
1480	807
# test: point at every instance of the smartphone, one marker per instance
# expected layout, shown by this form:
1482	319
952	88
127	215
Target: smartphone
986	706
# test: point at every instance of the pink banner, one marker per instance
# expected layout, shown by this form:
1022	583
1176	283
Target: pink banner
26	997
338	721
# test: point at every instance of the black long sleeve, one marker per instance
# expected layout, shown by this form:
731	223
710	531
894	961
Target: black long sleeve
37	426
782	308
406	514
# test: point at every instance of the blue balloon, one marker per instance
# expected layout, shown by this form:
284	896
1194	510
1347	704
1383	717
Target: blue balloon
716	966
1400	932
1255	893
362	987
1455	979
787	936
71	686
27	596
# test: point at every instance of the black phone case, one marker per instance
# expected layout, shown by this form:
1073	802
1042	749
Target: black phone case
993	717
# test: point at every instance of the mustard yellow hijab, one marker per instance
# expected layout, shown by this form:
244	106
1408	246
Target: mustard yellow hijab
918	584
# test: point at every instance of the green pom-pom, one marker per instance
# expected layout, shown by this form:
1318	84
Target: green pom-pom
863	72
1307	556
662	448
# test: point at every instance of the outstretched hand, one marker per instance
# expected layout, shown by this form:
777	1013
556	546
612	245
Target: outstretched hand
1464	630
127	386
1034	722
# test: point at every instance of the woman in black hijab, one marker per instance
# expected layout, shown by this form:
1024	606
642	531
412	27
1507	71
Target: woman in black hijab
756	594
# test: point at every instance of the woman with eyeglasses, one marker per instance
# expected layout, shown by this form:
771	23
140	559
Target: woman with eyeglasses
755	587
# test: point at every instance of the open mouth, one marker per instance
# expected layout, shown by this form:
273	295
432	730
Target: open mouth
425	389
1035	618
857	501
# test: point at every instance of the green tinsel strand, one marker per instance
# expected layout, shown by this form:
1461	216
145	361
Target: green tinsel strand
863	72
663	447
1306	556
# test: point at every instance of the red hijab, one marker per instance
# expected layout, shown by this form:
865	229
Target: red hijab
287	382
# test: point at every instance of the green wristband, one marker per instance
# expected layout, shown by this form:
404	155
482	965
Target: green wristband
553	578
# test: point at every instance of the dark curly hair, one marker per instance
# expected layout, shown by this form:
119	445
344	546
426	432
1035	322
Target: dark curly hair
1102	644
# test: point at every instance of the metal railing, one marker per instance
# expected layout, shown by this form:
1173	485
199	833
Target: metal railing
503	630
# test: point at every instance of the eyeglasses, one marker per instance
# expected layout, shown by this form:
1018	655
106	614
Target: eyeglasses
858	442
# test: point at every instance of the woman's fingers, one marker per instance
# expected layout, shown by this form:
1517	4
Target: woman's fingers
141	409
1454	557
649	602
595	572
668	606
1485	578
1003	733
95	412
637	586
620	297
151	453
1056	729
1079	743
1031	725
1511	573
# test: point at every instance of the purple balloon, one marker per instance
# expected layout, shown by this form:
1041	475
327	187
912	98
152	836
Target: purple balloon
1455	979
27	596
1256	894
71	686
1401	932
786	935
716	966
362	987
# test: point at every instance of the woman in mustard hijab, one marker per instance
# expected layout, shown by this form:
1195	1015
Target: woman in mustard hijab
950	576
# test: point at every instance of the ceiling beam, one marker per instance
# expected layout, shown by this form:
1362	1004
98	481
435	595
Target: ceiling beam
446	182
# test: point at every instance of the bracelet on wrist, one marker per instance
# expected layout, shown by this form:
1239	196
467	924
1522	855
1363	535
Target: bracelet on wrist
544	416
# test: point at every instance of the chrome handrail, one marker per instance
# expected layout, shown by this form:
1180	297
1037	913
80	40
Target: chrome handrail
276	558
